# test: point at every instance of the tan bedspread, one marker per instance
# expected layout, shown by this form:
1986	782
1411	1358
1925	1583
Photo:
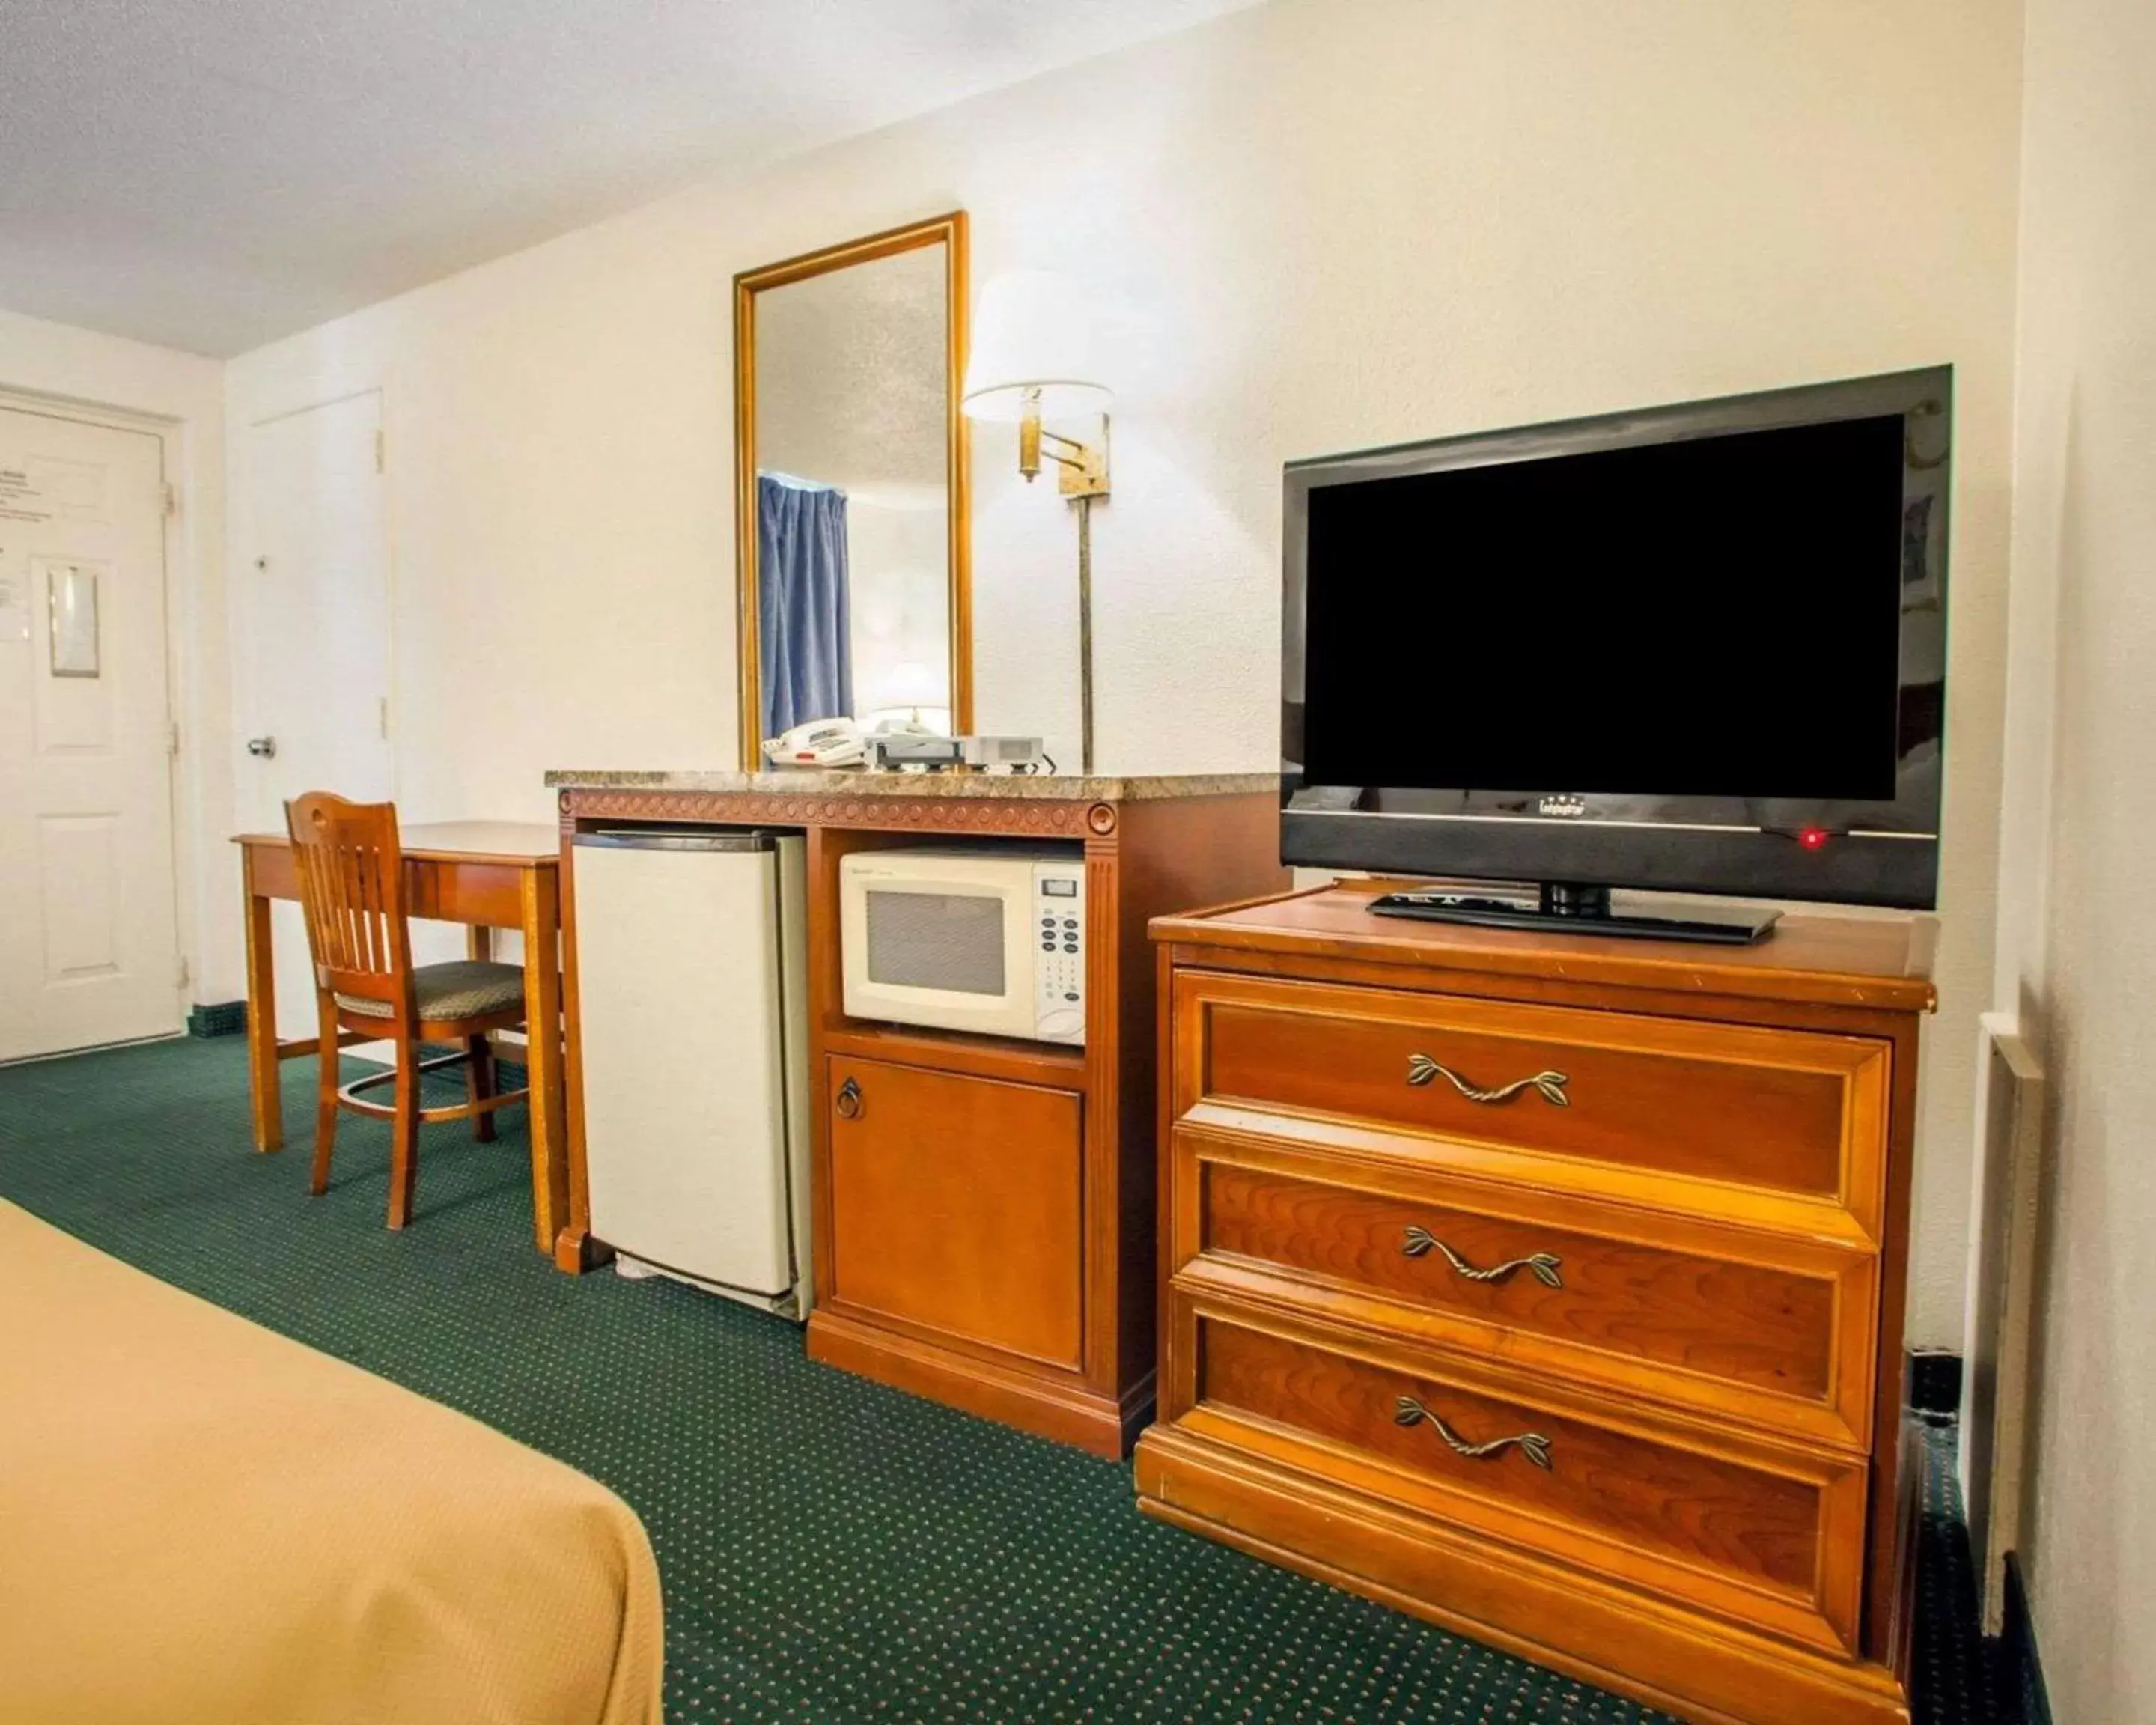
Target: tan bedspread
205	1523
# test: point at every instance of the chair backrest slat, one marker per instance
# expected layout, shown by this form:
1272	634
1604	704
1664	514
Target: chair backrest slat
350	869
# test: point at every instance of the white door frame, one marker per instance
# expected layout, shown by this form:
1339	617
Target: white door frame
179	776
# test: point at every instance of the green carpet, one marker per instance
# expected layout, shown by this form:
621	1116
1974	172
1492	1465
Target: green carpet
831	1550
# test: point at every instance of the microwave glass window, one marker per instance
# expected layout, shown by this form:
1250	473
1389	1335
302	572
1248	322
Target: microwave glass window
936	940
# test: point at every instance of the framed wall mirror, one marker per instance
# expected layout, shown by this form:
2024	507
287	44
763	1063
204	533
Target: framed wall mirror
850	493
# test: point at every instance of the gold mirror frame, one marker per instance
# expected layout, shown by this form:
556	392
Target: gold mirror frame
948	231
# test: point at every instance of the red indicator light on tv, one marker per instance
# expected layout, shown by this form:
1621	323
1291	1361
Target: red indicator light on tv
1813	838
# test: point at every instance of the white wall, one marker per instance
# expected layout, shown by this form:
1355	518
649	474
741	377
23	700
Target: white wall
2077	931
86	369
1316	225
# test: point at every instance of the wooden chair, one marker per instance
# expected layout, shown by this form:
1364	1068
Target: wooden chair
351	869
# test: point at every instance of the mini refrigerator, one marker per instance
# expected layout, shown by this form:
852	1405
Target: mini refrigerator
692	1006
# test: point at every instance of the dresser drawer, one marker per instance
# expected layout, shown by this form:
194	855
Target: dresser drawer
1696	1107
1749	1532
1775	1334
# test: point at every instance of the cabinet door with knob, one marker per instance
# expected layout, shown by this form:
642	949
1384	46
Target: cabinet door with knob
956	1206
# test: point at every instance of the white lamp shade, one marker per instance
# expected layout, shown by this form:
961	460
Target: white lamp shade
910	683
1032	331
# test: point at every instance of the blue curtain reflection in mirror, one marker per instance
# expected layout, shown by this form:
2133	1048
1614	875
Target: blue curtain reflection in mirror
802	602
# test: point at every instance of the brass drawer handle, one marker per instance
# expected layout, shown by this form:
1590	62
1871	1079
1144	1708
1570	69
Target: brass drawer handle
1532	1444
1542	1265
848	1104
1548	1086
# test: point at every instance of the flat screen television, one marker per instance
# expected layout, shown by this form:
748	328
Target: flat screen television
1698	649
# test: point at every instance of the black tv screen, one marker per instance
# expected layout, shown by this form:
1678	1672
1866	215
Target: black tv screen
1663	633
1720	617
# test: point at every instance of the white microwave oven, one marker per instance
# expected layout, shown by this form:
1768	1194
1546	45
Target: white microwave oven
992	941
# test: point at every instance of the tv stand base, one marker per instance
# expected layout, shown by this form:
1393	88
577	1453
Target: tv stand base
1577	909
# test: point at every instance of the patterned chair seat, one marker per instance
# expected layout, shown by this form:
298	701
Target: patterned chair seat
461	989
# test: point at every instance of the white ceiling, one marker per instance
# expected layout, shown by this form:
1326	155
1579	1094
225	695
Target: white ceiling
212	174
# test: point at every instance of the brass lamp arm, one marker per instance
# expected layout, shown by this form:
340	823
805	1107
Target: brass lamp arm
1085	467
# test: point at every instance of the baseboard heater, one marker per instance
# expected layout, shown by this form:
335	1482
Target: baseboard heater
2001	1308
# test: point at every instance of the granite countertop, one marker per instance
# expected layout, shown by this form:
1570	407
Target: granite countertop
855	782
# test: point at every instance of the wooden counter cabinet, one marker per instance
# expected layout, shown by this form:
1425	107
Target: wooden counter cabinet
984	1206
1551	1287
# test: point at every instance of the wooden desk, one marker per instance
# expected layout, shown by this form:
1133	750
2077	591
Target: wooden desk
486	875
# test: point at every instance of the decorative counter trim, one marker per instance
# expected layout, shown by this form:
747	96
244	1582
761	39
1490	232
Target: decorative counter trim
1000	817
938	787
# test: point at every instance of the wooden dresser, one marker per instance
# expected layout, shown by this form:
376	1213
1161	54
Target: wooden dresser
1551	1287
984	1206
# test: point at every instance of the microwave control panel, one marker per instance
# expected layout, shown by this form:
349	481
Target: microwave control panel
1059	930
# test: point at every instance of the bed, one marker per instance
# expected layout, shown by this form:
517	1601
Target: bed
205	1523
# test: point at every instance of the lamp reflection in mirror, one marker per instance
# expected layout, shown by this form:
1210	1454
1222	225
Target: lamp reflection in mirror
910	691
1032	361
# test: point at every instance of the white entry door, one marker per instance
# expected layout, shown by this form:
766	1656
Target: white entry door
315	605
89	929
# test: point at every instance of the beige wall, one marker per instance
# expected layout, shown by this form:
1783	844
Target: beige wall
1313	226
186	392
2077	931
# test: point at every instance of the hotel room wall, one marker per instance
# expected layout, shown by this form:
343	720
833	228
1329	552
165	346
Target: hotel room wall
1312	226
2077	931
40	358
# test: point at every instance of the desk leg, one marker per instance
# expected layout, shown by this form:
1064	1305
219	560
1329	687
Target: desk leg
264	1091
543	1054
